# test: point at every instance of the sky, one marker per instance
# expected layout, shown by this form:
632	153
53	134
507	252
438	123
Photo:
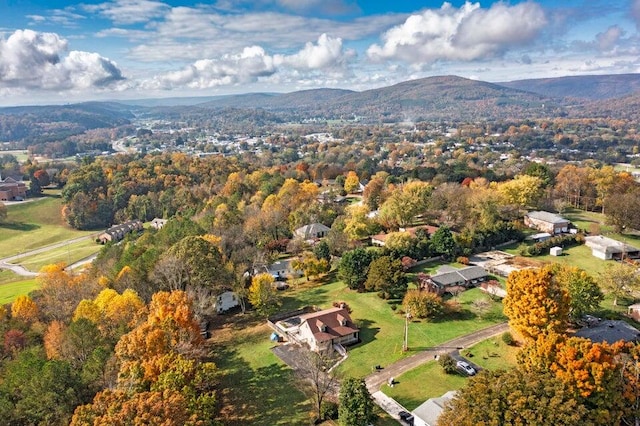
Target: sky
60	51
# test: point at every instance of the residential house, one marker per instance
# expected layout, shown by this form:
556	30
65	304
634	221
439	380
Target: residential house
449	278
428	412
282	269
12	190
547	222
323	329
158	223
634	311
606	248
381	239
225	301
610	331
312	231
118	232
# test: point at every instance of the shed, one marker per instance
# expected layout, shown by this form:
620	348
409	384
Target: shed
427	414
634	311
555	251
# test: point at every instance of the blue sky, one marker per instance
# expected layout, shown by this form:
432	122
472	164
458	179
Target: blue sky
54	51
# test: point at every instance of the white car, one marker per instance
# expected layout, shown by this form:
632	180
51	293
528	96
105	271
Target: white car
466	368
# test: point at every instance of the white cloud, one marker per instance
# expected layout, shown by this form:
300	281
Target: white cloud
464	34
33	60
326	56
609	39
327	53
190	33
129	11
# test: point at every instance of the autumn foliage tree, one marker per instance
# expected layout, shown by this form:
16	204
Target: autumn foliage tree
262	294
422	304
536	303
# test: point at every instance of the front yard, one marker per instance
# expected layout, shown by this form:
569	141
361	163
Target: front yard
382	329
430	381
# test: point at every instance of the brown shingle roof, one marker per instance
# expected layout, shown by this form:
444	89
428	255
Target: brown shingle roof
337	321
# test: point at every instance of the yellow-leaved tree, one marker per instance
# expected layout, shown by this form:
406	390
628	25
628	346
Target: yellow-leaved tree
536	303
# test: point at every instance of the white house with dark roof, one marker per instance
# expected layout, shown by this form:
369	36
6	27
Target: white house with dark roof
323	329
606	248
448	277
312	231
547	222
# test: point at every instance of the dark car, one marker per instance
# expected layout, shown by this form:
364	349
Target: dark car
407	418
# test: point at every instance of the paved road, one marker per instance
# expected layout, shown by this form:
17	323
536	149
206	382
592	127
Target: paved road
8	262
375	380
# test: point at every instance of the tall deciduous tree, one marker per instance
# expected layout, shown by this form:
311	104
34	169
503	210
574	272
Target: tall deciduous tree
422	304
443	243
262	295
353	268
619	279
24	309
536	303
356	405
584	293
386	275
351	182
514	397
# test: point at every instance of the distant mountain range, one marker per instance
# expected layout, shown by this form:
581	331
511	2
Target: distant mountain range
433	98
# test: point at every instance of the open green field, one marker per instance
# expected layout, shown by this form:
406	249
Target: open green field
429	380
20	154
382	329
578	256
34	224
10	291
69	254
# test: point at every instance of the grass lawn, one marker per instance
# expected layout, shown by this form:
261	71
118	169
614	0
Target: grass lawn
256	387
579	256
10	291
34	224
382	329
430	381
427	381
68	254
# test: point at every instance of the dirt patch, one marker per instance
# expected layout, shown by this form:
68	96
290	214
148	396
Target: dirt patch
524	262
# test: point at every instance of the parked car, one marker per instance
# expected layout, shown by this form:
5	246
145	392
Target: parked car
406	417
464	367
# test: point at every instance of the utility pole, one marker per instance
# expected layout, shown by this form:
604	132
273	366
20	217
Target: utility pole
405	345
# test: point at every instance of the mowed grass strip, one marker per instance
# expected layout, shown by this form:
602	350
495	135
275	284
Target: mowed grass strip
382	329
69	254
10	291
35	224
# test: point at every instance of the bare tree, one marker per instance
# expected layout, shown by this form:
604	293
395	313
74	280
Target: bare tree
314	367
170	273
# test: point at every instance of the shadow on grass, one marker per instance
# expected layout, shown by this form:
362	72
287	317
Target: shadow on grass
314	296
367	331
20	226
264	396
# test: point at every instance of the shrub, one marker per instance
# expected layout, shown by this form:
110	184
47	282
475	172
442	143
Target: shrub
448	364
328	410
463	260
508	339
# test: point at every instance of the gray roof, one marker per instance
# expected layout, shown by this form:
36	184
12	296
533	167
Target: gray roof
608	245
547	217
430	410
311	230
455	276
610	331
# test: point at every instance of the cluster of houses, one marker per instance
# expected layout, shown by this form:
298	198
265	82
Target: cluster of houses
12	190
118	232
